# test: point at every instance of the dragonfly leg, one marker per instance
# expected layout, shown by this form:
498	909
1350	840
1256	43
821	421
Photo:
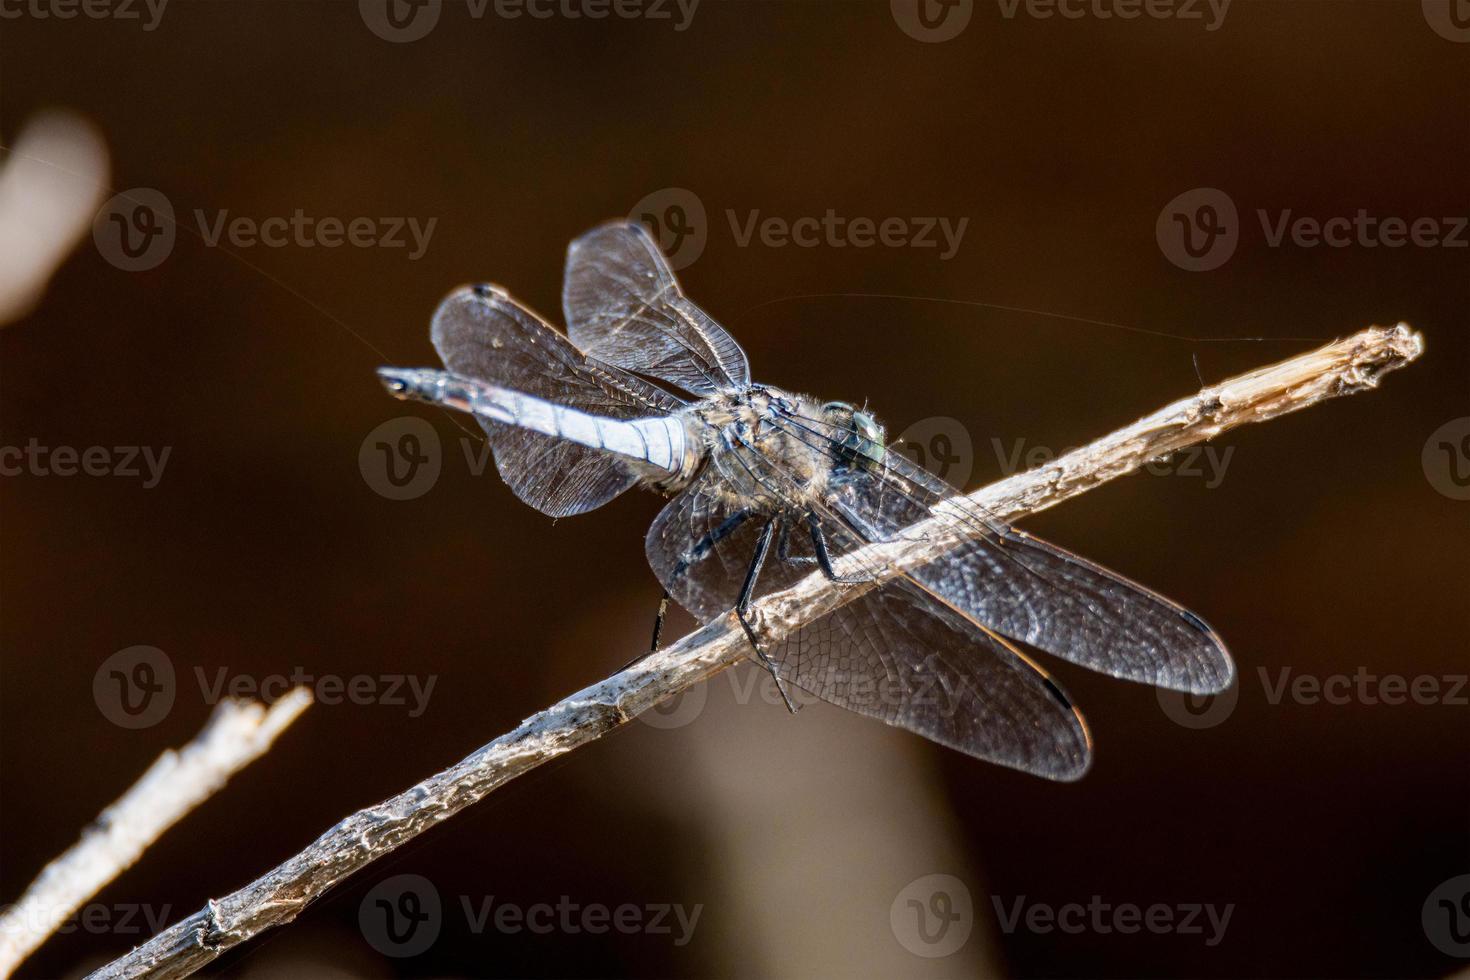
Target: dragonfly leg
658	629
658	621
824	557
727	527
706	544
742	605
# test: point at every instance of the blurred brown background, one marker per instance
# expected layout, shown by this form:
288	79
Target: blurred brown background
1328	546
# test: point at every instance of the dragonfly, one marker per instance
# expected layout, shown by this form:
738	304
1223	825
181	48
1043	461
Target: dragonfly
766	487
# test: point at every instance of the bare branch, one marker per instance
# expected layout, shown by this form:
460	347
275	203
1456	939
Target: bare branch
237	733
1344	367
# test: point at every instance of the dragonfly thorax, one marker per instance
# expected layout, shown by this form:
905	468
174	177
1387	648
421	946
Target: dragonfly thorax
801	442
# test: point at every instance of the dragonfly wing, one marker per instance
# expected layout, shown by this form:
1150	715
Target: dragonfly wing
701	544
623	305
480	332
892	655
1035	592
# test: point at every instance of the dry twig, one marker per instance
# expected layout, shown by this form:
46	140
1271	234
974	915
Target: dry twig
238	733
1345	367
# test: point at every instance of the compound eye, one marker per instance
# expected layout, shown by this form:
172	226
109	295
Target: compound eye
867	426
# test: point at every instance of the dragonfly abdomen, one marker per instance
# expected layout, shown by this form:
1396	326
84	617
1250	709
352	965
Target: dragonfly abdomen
657	441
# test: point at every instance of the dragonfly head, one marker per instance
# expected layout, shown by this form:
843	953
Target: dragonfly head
862	434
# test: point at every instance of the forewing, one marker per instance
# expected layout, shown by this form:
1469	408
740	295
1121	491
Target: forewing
480	332
1038	593
623	305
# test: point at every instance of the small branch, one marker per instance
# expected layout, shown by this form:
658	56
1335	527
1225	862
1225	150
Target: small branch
237	733
1341	368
